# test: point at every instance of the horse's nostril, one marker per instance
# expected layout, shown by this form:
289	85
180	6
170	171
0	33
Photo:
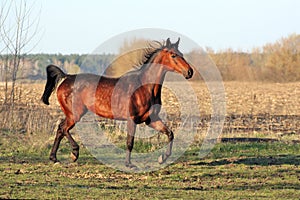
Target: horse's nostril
190	72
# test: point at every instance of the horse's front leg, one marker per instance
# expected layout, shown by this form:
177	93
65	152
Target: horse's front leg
161	127
131	126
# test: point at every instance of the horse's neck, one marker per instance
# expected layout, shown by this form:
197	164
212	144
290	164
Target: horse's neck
153	76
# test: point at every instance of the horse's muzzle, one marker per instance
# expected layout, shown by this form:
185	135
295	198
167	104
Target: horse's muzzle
189	73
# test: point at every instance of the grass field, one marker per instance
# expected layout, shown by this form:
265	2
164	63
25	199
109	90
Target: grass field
238	169
231	170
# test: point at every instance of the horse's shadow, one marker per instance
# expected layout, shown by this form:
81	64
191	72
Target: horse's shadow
261	160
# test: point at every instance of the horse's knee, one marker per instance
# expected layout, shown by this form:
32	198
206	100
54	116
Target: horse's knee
170	135
130	146
60	134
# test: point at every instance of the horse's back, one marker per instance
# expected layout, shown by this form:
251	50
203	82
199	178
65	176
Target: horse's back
83	92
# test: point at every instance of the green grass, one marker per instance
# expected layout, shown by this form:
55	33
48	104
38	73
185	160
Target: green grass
231	170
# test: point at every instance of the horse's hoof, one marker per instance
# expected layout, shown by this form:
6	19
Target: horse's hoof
131	166
53	159
74	156
161	159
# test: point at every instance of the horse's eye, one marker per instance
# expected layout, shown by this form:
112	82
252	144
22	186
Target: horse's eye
173	55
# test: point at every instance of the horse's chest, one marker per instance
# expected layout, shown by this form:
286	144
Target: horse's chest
146	108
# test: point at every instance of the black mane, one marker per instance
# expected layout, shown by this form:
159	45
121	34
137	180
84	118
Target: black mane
145	55
148	52
153	48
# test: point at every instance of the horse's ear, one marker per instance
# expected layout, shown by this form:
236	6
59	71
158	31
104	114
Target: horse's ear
168	43
177	43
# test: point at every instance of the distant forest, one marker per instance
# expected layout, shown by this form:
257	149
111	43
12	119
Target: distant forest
274	62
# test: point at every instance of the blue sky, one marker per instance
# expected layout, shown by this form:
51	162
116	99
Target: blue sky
73	26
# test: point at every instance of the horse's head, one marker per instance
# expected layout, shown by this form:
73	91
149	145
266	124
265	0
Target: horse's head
172	59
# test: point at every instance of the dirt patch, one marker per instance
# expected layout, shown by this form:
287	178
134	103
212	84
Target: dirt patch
251	107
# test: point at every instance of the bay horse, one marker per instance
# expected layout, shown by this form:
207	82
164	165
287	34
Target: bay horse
132	97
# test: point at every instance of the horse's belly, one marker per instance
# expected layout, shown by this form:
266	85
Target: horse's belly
105	110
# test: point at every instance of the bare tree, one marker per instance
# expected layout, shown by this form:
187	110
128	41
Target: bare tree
18	28
283	58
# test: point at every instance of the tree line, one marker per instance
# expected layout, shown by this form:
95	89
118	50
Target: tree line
274	62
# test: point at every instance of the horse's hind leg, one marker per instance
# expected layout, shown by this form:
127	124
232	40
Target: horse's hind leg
74	145
58	138
63	130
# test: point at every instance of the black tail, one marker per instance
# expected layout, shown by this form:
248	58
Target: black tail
54	75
